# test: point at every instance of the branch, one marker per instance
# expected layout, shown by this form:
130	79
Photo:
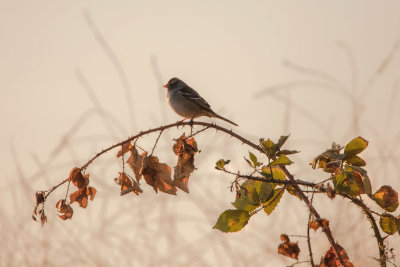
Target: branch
269	180
379	238
326	229
300	193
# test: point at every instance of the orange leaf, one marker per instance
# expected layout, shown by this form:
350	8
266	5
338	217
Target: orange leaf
91	191
135	162
164	181
331	260
124	148
324	223
127	185
149	172
65	210
80	197
158	175
185	149
313	225
76	177
287	248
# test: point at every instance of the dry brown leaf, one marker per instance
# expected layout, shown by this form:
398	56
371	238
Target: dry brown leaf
325	223
79	196
135	162
313	225
127	184
83	192
124	148
287	248
76	177
158	175
185	149
331	260
65	209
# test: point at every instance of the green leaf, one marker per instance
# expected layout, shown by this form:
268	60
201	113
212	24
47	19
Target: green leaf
282	160
249	196
271	204
345	183
365	181
242	203
277	174
254	160
398	224
355	146
248	189
388	224
269	147
265	192
387	198
281	141
220	164
232	220
356	161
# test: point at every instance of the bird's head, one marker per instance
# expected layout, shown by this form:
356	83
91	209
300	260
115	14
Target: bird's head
174	83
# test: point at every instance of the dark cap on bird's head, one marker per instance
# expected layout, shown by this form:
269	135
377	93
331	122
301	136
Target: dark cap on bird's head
171	82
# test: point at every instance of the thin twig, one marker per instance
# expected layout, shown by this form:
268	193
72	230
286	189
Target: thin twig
155	144
199	131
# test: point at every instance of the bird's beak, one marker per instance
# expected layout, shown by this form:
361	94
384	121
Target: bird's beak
165	86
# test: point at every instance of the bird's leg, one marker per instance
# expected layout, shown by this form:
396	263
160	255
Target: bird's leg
191	125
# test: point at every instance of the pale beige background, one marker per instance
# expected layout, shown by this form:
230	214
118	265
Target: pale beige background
65	68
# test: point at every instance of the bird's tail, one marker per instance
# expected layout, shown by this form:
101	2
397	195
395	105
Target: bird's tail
225	119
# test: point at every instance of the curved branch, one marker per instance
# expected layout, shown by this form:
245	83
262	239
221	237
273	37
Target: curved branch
300	193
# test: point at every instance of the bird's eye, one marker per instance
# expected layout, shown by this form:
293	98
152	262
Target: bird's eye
173	81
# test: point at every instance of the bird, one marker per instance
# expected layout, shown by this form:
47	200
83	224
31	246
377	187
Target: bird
186	102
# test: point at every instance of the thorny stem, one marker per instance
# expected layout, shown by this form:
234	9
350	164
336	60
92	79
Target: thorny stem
378	236
268	180
308	235
300	193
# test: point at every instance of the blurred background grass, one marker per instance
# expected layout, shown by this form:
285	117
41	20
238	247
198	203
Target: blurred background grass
80	76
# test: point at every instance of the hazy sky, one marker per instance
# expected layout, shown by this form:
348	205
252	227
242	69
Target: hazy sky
52	51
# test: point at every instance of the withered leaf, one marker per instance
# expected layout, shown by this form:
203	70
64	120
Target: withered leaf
80	197
43	218
65	209
325	223
39	197
387	198
135	162
331	260
287	248
313	225
78	179
185	149
127	184
158	175
124	148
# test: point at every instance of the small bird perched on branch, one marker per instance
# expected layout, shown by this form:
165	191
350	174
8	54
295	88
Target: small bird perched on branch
186	102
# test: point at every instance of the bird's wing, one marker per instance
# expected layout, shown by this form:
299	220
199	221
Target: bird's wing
191	94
